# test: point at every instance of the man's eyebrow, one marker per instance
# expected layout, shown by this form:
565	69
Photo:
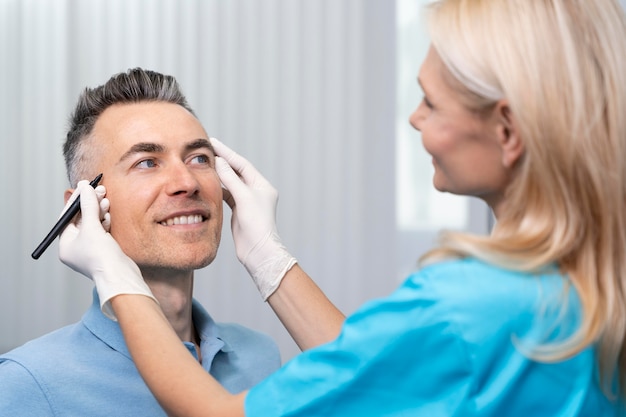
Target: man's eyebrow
150	147
199	143
141	147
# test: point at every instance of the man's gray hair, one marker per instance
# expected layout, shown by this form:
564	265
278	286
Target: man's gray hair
134	86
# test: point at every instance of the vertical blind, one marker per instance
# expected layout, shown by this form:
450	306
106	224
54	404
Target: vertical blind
303	89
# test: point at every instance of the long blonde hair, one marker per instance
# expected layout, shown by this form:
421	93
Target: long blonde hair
561	64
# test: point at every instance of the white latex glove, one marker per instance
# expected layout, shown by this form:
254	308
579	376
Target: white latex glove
253	201
86	246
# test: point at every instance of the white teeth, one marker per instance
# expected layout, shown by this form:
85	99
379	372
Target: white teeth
194	218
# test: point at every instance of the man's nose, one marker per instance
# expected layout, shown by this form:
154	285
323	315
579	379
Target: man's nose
181	180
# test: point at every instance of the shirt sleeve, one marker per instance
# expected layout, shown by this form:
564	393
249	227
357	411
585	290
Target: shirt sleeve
20	394
396	356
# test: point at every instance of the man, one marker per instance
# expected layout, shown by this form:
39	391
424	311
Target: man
165	198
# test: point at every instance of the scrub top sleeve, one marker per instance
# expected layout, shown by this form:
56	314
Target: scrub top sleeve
396	356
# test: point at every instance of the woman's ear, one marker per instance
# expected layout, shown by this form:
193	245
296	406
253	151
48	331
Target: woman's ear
508	134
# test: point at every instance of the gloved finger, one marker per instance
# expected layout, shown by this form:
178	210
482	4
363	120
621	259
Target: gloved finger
105	216
100	192
89	204
238	163
229	178
105	204
70	233
72	198
221	149
106	222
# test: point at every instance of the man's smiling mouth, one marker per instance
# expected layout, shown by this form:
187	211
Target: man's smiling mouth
190	219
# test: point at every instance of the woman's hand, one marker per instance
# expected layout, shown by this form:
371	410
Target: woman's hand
87	247
253	201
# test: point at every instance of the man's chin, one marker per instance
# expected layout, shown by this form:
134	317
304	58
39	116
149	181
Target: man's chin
178	266
206	262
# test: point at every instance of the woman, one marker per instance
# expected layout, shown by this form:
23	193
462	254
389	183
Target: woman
524	104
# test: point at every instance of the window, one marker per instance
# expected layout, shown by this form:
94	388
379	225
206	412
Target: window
419	205
421	210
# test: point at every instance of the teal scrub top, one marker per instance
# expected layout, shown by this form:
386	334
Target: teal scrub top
453	340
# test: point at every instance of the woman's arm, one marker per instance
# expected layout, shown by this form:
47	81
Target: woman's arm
181	385
307	314
305	311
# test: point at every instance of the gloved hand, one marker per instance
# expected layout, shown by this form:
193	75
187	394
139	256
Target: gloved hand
86	246
253	202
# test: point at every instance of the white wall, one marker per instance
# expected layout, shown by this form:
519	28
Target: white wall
305	90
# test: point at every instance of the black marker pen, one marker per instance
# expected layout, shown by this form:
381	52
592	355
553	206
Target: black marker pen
63	221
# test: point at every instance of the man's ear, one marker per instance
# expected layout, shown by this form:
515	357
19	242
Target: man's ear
68	194
508	134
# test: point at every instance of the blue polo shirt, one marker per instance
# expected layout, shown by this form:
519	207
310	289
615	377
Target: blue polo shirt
85	369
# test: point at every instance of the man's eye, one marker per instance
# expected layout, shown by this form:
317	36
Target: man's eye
200	159
146	163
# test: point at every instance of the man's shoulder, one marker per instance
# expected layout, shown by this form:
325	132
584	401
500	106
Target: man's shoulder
75	372
43	347
23	370
20	391
59	352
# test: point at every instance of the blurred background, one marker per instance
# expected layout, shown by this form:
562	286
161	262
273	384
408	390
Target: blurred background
317	94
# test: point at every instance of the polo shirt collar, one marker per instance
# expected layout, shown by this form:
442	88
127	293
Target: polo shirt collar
109	332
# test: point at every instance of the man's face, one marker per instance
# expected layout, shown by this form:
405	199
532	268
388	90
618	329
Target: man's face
159	172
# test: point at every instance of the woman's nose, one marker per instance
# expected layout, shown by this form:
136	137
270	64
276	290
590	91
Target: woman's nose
416	118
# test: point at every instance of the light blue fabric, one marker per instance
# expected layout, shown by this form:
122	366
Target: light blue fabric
85	369
443	345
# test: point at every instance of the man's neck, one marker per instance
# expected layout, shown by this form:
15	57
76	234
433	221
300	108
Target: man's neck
174	293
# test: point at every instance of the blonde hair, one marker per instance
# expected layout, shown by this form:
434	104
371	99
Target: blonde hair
561	65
